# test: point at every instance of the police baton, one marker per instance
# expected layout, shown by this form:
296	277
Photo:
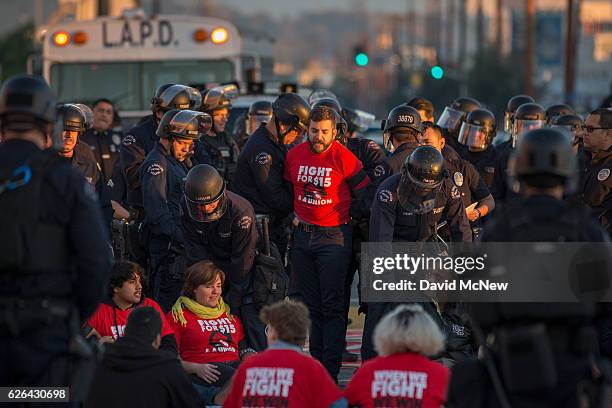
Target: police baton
266	234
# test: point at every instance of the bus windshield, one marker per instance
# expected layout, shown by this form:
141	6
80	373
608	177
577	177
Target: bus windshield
130	85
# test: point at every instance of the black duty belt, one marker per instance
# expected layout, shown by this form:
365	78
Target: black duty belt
314	228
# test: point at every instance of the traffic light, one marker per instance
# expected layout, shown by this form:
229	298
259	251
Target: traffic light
360	56
437	72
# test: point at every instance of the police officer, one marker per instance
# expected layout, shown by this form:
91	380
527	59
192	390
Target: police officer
453	117
475	195
141	139
55	256
259	112
217	144
163	171
573	127
527	117
596	183
555	111
476	135
401	131
511	107
259	173
102	138
219	226
426	112
75	120
545	349
407	208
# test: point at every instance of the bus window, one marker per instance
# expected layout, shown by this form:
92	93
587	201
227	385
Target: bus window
86	82
155	74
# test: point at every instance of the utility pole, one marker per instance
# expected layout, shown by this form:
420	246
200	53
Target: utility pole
480	40
499	29
573	6
530	47
462	63
450	31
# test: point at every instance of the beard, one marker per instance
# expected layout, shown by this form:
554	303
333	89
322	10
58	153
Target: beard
319	147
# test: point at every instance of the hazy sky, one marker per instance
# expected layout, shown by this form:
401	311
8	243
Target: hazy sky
279	8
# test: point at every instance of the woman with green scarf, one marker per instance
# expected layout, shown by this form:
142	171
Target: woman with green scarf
210	339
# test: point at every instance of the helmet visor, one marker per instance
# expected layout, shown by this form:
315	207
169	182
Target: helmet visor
363	120
523	126
475	137
202	211
570	131
189	124
319	94
87	114
195	98
450	119
415	199
508	122
254	121
168	95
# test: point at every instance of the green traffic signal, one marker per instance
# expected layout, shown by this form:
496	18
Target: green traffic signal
361	59
437	72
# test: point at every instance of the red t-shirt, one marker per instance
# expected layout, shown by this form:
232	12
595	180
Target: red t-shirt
400	380
321	195
207	340
109	320
282	378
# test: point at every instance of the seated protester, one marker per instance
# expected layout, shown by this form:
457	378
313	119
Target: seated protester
283	375
210	339
402	375
134	364
125	295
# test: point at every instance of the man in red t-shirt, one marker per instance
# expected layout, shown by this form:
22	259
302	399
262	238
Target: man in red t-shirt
283	375
326	177
109	320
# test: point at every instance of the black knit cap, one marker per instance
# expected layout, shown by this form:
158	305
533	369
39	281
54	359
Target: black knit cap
143	324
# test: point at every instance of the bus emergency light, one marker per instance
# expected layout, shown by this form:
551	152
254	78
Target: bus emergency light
219	35
61	38
79	38
200	35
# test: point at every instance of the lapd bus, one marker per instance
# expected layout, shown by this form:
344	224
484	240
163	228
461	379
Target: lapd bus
125	59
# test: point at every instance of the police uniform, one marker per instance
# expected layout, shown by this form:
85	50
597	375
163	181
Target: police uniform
105	145
393	162
65	263
223	153
231	243
259	179
501	191
467	179
369	153
162	180
596	188
484	161
137	143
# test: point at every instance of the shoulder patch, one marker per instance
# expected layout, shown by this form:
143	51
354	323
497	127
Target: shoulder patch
155	169
129	140
603	174
458	178
379	170
455	193
245	222
385	196
263	158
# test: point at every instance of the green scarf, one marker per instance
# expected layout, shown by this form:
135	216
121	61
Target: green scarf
203	312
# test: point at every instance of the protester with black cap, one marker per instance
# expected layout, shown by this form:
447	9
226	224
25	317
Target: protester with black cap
134	373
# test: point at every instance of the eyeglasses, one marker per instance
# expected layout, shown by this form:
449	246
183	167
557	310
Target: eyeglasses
592	128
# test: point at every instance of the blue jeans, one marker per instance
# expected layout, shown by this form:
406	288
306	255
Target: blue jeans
321	256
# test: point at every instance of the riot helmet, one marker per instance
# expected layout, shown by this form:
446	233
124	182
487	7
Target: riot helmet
422	175
544	158
478	130
259	112
357	120
557	110
319	94
291	110
26	99
75	117
453	115
174	96
219	97
571	125
403	122
513	105
527	117
205	194
183	124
